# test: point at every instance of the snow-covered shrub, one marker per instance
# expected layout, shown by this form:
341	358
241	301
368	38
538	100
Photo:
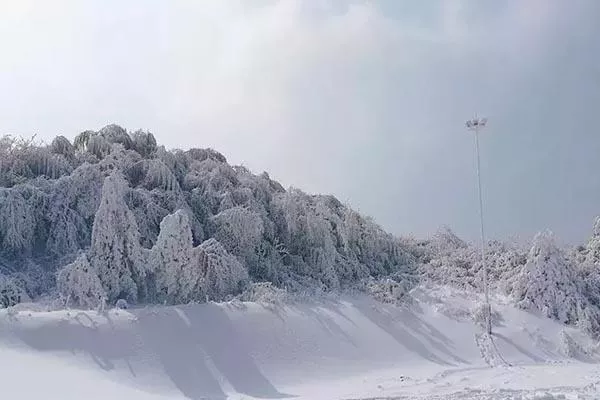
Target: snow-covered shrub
448	260
115	134
177	277
42	161
589	319
118	158
81	140
264	292
159	176
115	251
148	212
390	291
61	145
223	274
548	282
35	279
144	143
98	146
17	221
10	292
587	258
78	283
121	304
240	231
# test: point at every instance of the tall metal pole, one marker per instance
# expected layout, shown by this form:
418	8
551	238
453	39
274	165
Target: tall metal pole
475	125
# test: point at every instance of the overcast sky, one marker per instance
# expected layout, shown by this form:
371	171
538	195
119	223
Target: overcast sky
363	99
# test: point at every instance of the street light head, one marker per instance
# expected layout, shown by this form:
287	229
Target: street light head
476	123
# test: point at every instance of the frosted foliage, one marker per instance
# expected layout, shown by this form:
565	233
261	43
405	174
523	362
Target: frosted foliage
310	236
68	231
338	245
61	145
10	292
144	143
212	175
40	161
592	250
152	174
119	159
34	279
388	291
445	241
73	202
239	230
84	189
121	304
81	141
115	250
176	160
59	200
451	262
171	259
115	134
223	273
548	282
159	176
264	292
377	250
98	146
459	268
17	221
79	284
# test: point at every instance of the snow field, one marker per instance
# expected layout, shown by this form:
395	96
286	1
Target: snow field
349	348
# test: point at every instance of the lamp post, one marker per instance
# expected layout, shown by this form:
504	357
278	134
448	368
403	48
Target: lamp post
475	125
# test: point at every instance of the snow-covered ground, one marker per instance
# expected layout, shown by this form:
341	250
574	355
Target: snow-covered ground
351	348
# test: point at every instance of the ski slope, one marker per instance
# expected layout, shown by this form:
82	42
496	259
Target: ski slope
348	348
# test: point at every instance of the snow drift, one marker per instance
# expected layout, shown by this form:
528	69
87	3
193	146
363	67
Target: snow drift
248	350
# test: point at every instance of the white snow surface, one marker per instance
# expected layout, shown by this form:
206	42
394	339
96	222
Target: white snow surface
347	348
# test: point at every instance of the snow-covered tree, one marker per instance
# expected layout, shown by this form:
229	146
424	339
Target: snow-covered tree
159	176
588	260
224	275
144	143
61	145
589	254
98	146
73	202
115	250
81	140
17	221
240	231
78	284
177	277
548	282
115	134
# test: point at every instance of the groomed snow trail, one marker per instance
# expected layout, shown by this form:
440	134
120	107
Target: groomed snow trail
351	348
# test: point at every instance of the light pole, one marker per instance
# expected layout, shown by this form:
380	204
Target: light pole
475	125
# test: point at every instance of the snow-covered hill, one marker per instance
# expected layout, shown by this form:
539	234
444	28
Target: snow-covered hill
351	347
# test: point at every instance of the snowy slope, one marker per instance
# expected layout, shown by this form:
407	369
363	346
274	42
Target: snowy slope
348	348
